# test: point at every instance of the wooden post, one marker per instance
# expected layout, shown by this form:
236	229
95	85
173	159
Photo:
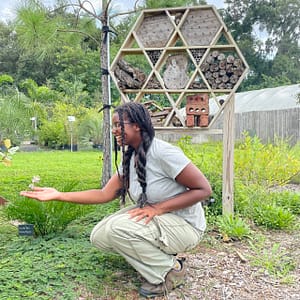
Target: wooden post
105	79
228	151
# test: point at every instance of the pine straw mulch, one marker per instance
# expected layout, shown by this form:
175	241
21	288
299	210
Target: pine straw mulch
227	272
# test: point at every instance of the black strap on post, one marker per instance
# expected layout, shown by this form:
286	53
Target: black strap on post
106	106
104	71
106	30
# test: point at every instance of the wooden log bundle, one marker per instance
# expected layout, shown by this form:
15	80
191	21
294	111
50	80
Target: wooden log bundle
222	70
128	76
159	114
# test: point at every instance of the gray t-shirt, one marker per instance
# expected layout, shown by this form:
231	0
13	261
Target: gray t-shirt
164	163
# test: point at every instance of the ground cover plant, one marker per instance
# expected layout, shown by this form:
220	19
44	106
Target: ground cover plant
61	264
79	171
54	265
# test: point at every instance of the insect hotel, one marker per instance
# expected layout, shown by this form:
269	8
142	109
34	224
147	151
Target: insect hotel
176	61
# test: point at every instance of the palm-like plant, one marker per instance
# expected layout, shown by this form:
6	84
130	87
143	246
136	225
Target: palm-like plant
15	113
91	130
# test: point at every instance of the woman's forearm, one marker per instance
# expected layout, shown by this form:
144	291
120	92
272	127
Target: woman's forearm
84	197
183	200
93	196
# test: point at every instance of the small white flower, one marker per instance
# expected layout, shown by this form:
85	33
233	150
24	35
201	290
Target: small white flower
35	179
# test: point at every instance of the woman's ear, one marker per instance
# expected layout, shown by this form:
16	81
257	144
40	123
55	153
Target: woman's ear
136	127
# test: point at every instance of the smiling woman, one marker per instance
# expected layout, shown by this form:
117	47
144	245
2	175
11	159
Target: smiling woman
167	189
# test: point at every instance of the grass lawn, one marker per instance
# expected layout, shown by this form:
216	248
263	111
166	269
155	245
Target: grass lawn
55	168
64	265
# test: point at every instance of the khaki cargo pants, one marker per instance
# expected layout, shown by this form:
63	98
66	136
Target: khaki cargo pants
151	248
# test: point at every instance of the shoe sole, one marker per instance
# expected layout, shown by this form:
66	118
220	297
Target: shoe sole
146	294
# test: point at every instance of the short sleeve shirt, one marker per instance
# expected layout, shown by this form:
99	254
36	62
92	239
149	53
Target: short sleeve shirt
164	164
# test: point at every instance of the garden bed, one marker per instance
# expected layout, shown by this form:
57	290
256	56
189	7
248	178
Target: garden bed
219	271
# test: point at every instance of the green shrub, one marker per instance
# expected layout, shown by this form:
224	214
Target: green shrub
272	216
232	227
272	210
214	207
208	158
61	169
265	164
288	200
53	134
257	167
241	197
91	129
47	217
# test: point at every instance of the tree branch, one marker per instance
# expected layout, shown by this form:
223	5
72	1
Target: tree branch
81	32
93	13
135	10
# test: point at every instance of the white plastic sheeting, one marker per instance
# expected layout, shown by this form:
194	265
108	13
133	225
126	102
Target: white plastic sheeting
283	97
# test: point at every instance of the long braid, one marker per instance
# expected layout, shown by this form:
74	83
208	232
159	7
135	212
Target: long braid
141	167
136	113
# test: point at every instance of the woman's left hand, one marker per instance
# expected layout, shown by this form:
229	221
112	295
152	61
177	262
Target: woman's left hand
147	212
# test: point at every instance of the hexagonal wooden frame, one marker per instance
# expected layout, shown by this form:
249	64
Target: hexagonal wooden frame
198	33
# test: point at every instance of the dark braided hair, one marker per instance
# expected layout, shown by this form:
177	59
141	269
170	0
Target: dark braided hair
135	113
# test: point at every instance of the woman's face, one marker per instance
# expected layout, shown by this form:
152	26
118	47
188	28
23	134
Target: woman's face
132	132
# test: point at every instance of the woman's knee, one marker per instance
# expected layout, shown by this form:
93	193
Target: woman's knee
113	227
100	234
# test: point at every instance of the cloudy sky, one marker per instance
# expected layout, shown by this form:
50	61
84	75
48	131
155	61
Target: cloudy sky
8	7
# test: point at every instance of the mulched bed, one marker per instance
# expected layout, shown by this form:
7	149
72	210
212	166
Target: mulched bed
224	271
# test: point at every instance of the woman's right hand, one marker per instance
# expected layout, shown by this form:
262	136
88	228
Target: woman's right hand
42	194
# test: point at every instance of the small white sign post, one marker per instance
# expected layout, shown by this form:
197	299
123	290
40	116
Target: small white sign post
71	120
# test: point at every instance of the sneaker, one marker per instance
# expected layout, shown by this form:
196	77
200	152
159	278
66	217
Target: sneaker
173	280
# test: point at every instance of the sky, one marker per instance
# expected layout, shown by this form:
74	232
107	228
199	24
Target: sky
8	7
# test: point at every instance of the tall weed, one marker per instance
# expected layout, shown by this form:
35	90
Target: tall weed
287	200
233	227
258	166
265	164
272	216
275	261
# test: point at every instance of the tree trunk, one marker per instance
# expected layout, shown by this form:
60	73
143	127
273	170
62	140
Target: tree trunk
104	60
